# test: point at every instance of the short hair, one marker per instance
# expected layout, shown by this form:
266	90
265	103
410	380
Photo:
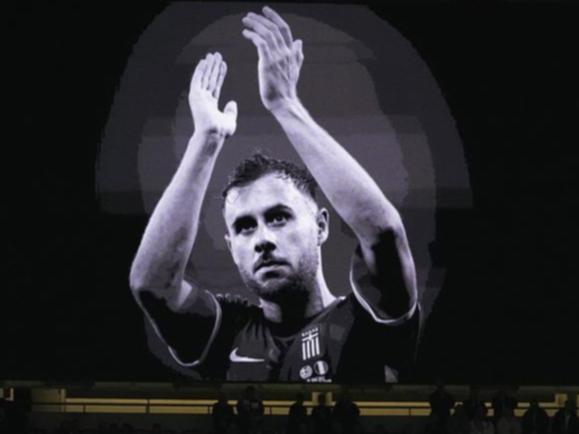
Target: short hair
260	164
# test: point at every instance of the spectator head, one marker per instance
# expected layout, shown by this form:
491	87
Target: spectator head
379	429
127	428
222	397
459	410
345	395
480	412
300	397
250	392
474	391
508	411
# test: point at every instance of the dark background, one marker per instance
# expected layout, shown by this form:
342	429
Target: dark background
507	311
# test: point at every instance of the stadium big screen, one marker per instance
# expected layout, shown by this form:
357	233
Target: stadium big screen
164	233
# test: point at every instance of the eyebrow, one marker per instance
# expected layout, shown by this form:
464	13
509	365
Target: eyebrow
277	208
271	210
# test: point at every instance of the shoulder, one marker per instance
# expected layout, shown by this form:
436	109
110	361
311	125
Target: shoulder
237	306
354	306
349	316
234	314
227	298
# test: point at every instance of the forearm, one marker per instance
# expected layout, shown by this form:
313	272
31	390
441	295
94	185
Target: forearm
362	205
162	256
349	188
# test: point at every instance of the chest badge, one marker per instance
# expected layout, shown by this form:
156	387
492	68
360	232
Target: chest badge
321	367
311	343
306	372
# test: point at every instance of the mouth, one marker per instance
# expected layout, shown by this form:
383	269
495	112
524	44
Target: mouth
269	264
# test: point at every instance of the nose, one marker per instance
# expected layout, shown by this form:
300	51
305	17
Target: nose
264	241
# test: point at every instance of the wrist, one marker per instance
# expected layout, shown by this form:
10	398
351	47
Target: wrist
287	107
210	132
208	140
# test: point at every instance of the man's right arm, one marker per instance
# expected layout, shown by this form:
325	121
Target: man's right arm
157	273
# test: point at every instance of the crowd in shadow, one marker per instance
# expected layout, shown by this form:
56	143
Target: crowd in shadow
472	415
343	417
247	416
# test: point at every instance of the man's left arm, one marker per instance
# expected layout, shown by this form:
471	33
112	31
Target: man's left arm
384	247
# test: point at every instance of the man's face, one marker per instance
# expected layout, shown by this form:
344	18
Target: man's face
274	235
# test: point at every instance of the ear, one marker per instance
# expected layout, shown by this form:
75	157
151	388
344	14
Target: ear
323	222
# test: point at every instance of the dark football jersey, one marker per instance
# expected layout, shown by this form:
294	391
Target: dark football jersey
342	344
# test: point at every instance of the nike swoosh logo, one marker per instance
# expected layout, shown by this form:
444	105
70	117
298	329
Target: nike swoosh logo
234	357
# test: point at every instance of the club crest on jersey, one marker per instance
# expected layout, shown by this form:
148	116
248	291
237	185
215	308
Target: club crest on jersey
306	372
311	343
321	367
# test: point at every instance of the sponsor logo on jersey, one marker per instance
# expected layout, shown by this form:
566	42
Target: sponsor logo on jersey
320	379
310	343
234	357
321	367
306	372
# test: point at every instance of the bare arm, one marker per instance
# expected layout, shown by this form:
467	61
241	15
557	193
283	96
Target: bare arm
348	187
157	272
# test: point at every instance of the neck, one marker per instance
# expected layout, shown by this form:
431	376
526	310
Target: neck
293	310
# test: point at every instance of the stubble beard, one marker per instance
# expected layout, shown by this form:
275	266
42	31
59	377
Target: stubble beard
291	287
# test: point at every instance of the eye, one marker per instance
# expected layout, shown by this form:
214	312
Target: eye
246	229
278	218
244	226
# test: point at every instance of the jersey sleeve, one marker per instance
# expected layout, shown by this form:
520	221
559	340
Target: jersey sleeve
180	339
363	284
374	351
234	313
192	342
377	348
210	314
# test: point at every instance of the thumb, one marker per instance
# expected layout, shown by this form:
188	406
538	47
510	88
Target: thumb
297	46
231	109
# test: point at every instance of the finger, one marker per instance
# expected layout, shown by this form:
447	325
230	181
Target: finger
220	78
214	74
230	112
199	71
207	72
259	43
298	50
231	109
272	27
267	35
284	28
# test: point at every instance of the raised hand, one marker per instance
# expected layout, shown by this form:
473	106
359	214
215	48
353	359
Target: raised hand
280	57
204	94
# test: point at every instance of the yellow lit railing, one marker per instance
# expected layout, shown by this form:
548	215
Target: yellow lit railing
57	401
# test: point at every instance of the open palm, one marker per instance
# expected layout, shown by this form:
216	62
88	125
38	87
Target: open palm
204	94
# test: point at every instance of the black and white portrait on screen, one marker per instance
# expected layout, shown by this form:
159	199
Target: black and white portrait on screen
356	108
